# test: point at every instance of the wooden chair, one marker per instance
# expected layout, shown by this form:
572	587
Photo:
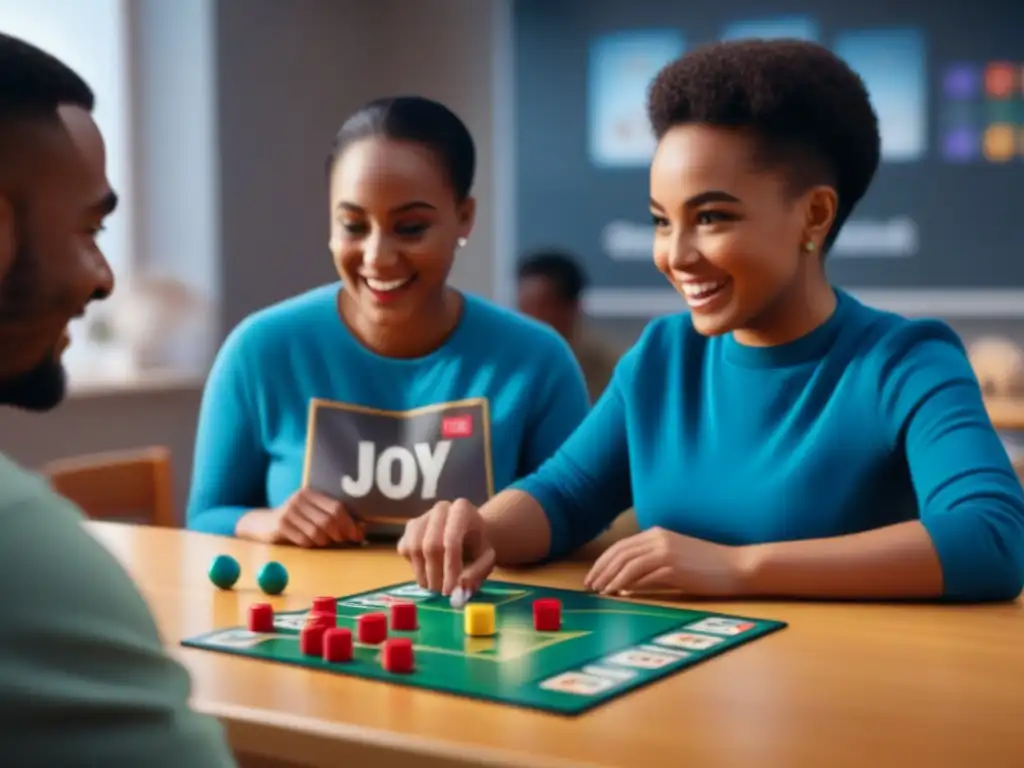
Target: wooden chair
122	486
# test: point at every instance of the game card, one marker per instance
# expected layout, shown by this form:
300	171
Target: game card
236	638
688	640
374	601
615	673
295	622
720	625
668	651
412	591
578	683
641	659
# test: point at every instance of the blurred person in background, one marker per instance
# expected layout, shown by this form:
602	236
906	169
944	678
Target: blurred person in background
550	288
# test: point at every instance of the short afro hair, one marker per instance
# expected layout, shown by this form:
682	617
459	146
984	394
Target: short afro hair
810	112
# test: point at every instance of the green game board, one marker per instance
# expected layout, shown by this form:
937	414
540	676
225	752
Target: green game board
605	648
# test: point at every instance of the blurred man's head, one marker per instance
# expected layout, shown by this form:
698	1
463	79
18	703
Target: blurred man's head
550	286
54	198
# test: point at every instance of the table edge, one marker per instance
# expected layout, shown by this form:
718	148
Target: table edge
282	736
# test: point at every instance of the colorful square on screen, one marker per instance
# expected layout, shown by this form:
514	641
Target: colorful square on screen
961	82
621	68
892	63
1000	80
961	144
999	143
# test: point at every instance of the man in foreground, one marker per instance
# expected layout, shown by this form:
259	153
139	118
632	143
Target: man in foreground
84	678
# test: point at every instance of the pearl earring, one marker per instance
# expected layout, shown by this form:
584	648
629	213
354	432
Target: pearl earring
461	242
809	246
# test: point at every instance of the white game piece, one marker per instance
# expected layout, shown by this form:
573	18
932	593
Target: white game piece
460	597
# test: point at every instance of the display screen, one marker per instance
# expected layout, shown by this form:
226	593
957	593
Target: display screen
947	83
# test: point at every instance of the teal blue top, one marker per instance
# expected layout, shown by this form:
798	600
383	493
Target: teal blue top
870	420
251	436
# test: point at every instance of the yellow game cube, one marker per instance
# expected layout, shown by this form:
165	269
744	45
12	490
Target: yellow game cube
479	619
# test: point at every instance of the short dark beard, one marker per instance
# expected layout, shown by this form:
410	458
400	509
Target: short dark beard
43	387
40	389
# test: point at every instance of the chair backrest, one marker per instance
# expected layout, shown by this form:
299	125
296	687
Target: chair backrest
124	486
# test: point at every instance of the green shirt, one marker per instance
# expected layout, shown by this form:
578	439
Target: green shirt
84	677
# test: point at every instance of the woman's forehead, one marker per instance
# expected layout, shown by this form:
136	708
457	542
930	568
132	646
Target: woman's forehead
694	159
379	169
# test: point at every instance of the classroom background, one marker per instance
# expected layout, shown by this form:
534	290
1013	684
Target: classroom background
219	113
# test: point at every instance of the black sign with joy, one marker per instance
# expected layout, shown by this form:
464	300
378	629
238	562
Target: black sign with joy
390	466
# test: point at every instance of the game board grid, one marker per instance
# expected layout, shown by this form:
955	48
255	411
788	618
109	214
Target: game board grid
570	704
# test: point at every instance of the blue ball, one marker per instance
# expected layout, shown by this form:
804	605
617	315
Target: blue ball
224	571
272	578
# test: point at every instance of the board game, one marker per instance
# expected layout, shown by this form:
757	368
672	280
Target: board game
596	650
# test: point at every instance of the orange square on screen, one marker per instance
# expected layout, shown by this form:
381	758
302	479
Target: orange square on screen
999	143
1000	80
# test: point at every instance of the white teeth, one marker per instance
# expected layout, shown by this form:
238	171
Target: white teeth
386	285
697	290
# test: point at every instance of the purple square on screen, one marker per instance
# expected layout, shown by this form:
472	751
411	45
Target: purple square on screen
960	144
961	81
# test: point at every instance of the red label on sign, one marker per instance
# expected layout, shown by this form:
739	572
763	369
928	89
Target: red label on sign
457	426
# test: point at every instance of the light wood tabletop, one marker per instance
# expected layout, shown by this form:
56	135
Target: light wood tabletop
1006	413
843	685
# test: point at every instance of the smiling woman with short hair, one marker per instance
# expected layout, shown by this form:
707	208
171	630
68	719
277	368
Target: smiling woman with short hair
779	438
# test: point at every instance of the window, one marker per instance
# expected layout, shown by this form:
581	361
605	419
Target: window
90	36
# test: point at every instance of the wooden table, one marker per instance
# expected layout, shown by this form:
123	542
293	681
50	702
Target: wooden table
844	685
1006	413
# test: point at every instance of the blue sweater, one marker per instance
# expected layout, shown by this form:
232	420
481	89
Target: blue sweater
251	436
868	421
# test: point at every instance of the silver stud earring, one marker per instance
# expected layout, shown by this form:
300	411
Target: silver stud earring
461	242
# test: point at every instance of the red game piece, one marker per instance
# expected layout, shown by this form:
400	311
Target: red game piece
372	628
547	614
337	644
397	656
326	605
311	639
403	616
261	617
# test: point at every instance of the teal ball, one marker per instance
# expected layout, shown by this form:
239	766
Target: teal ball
224	571
272	578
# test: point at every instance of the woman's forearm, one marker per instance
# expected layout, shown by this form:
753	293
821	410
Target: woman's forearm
252	525
896	562
218	520
517	528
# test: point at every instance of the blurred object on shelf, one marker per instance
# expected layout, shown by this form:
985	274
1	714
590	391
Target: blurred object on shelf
999	365
150	323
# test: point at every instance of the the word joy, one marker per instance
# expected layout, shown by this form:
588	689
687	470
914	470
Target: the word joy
397	471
